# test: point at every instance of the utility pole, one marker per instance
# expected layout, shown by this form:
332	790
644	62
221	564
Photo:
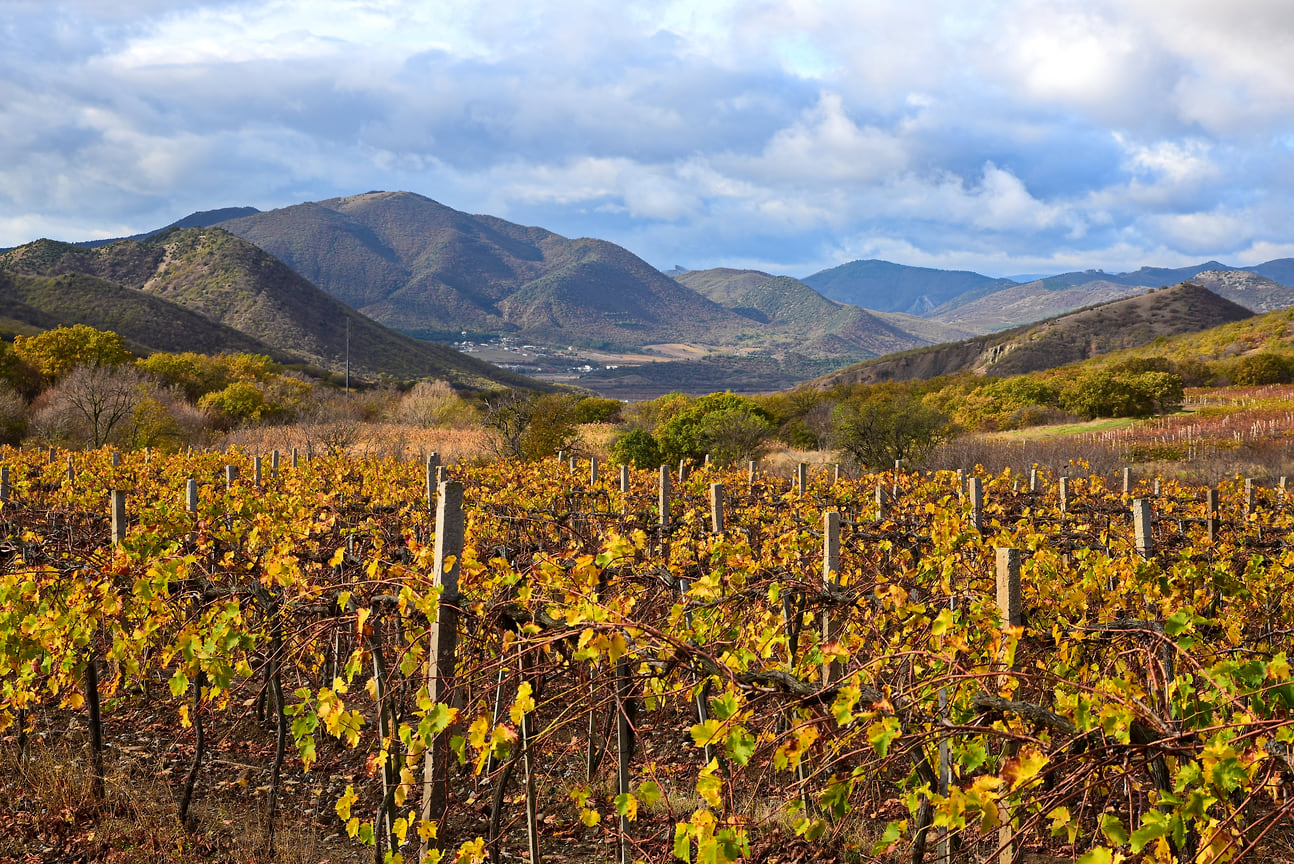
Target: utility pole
348	356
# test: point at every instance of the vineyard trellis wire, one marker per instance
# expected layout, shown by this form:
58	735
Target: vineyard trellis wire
1140	707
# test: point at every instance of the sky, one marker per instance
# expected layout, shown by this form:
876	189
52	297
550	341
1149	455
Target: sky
1002	136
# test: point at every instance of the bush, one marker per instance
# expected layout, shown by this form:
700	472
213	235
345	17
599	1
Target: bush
57	352
888	424
13	415
595	409
736	434
638	448
1259	369
683	435
434	404
1106	394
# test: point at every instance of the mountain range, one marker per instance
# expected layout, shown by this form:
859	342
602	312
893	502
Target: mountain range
291	281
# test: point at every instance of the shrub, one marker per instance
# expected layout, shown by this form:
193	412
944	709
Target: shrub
683	435
638	448
888	424
595	409
1258	369
434	404
57	352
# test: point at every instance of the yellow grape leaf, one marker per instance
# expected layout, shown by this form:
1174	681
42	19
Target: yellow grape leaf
590	817
523	704
337	558
344	803
709	785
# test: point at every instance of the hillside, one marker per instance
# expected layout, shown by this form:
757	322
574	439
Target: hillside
426	269
797	318
224	280
1252	291
1023	304
889	287
35	303
1076	336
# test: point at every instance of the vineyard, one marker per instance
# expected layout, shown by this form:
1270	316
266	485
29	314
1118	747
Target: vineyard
529	659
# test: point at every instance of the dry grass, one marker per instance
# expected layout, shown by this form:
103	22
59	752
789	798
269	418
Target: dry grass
47	813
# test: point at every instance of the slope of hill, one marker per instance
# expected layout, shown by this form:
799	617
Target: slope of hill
147	323
432	271
797	318
227	281
889	287
1023	304
1250	290
1069	338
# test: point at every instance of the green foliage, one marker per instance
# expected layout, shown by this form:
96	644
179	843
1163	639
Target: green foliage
683	435
735	434
887	424
239	403
532	427
56	352
1108	394
195	374
553	427
17	373
595	409
13	415
1266	367
638	448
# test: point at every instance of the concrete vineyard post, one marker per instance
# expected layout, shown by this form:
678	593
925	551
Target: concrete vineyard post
1142	526
1033	479
750	473
274	463
1211	513
433	466
295	457
1011	612
593	470
624	750
624	490
977	503
801	478
573	464
1063	493
663	499
118	502
830	578
1127	481
191	495
231	475
1250	497
116	459
256	470
682	470
835	473
716	508
71	470
443	647
4	483
880	502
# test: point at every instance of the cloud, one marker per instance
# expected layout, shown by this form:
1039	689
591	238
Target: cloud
1014	135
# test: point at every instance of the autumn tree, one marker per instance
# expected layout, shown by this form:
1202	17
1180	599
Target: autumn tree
57	352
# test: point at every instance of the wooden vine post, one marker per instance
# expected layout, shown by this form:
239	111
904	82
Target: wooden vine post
191	495
256	470
593	470
1127	482
751	472
801	478
443	649
1063	493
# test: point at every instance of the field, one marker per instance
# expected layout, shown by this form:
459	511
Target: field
335	659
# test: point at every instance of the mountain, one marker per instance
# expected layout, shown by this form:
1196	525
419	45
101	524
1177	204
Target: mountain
200	219
1069	338
432	271
794	317
889	287
1252	291
226	281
